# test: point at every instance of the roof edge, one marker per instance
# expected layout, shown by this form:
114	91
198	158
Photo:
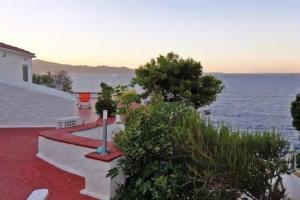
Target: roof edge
16	49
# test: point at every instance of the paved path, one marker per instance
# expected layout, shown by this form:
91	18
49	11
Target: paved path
21	171
292	184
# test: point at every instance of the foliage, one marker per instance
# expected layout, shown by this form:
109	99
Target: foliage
125	98
60	80
171	153
105	101
298	160
119	90
295	112
44	79
63	81
129	96
156	97
178	79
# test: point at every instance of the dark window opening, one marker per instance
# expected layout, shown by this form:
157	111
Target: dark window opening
25	73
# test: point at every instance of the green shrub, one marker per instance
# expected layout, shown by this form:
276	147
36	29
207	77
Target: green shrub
171	153
44	79
295	112
59	80
298	160
129	96
105	101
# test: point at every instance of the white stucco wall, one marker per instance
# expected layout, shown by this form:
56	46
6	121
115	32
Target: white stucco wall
97	133
68	157
71	158
25	104
11	66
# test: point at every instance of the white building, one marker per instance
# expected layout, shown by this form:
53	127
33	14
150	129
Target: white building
15	63
22	103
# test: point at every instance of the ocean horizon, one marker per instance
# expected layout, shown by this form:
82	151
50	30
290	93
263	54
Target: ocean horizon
251	102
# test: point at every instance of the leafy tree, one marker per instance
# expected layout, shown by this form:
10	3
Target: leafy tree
171	153
129	96
63	81
44	79
178	79
119	90
295	112
105	101
125	98
60	80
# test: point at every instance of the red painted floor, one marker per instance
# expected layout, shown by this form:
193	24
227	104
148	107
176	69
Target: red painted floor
21	171
88	115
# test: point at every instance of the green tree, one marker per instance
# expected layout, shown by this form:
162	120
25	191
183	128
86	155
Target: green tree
105	101
178	79
171	153
44	79
59	80
63	81
295	112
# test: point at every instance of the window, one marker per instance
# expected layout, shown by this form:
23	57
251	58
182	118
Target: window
25	73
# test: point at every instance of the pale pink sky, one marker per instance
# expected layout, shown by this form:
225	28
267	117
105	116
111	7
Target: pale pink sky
226	36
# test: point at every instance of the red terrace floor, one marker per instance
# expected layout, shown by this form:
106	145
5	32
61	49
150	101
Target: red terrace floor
88	115
21	171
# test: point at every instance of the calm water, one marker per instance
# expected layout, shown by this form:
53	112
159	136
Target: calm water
258	102
249	102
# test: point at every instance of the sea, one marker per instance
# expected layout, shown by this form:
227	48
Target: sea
251	102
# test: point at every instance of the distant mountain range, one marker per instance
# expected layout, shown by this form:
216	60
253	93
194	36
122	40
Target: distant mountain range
42	67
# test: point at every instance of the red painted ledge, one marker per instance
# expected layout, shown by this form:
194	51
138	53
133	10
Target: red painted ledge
114	153
64	135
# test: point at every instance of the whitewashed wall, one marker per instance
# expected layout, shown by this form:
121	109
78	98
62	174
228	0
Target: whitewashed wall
11	69
97	133
30	105
71	158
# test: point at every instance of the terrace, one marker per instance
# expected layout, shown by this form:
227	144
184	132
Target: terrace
29	163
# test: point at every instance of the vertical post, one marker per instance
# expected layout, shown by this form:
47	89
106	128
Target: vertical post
105	132
295	161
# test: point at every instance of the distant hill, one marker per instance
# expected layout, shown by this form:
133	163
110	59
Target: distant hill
41	67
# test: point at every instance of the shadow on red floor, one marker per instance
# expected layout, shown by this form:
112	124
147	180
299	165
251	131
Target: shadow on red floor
88	115
21	171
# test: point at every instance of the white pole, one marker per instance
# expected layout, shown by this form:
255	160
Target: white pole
104	131
295	161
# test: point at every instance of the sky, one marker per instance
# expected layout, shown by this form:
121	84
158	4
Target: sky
231	36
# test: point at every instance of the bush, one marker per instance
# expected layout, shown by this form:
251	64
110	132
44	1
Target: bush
44	79
105	101
60	80
295	112
171	153
128	97
298	160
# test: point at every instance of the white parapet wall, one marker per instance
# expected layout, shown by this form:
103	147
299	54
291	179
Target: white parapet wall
71	158
25	104
97	185
97	133
68	157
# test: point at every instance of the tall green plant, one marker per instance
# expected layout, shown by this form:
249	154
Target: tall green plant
105	101
171	153
44	79
295	112
59	80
